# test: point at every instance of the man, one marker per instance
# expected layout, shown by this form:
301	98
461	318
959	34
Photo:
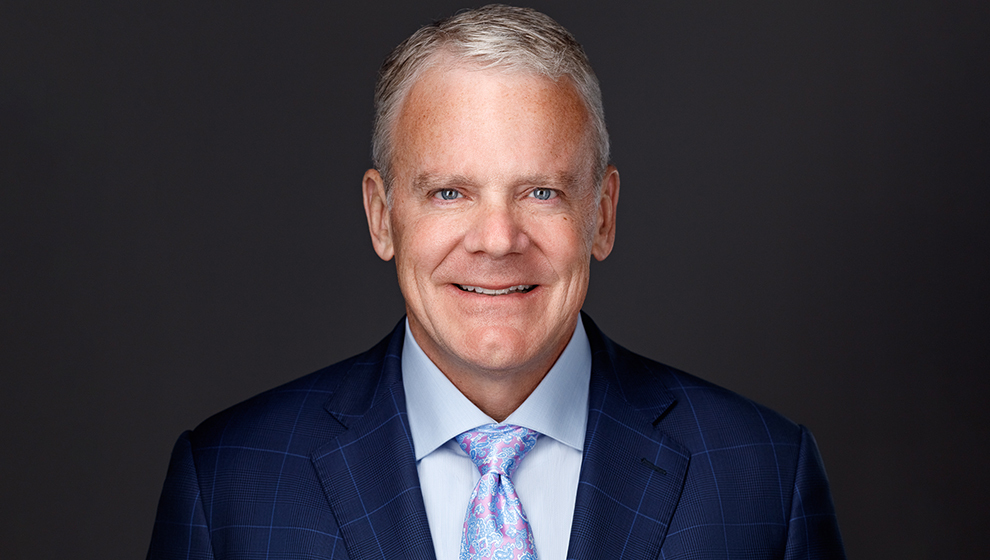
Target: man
492	191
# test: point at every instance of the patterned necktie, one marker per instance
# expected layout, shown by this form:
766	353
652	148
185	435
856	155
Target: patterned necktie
496	526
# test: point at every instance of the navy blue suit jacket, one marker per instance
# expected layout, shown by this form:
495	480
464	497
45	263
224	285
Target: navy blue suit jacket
323	467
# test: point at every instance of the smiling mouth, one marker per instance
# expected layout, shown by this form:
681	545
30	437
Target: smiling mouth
521	289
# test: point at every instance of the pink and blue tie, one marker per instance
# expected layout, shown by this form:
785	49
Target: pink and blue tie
496	525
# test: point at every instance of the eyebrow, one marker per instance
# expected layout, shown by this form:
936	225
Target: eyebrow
431	181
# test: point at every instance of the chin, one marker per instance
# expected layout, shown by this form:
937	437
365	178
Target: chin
502	349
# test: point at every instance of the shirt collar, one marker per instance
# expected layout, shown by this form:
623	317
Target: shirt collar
438	411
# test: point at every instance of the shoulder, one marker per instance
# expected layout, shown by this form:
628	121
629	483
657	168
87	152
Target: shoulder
699	414
273	410
748	464
304	409
711	416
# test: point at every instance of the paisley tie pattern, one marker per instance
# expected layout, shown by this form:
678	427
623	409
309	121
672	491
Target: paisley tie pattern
495	526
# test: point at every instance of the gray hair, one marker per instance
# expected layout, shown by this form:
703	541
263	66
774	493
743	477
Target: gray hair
494	36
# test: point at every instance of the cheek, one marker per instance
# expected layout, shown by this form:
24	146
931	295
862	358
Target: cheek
423	243
567	242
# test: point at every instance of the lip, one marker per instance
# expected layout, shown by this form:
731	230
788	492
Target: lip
495	290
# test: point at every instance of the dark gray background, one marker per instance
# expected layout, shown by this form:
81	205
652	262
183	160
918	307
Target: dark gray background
803	219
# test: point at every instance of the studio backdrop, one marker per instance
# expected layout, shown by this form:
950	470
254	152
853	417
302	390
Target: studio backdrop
803	219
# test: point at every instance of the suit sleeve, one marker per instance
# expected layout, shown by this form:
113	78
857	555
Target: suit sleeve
813	530
180	526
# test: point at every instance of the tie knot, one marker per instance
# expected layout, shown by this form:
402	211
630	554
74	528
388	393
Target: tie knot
497	447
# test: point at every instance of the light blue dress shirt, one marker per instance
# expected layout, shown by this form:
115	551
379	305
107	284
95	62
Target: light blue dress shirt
546	479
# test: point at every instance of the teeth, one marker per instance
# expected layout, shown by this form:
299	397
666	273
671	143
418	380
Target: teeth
520	288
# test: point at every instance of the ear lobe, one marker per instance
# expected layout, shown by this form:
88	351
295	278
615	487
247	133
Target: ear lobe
377	211
605	224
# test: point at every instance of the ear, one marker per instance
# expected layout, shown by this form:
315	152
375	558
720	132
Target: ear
377	210
605	224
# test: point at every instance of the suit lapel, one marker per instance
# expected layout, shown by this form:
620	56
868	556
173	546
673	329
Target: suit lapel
369	470
632	474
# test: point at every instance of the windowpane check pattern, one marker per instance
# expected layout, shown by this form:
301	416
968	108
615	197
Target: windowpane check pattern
323	468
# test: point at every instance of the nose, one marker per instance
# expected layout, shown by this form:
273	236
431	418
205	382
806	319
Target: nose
496	229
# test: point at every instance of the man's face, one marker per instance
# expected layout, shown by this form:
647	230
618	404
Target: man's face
494	219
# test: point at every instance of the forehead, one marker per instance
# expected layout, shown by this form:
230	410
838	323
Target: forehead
456	113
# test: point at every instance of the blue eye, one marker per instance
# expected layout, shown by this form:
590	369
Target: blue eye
448	194
544	194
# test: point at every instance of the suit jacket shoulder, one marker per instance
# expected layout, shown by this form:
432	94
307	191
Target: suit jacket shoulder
276	411
703	415
288	473
727	478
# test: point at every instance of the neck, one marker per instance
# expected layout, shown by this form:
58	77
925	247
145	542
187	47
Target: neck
498	397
